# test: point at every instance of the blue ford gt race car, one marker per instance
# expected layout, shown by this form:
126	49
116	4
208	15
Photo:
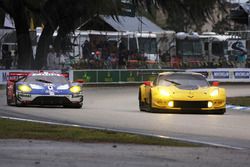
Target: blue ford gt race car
43	88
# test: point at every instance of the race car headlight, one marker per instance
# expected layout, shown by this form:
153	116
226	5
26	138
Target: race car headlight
210	104
34	86
170	104
63	87
24	88
164	93
215	92
75	89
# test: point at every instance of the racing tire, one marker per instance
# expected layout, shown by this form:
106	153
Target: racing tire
18	104
219	112
150	109
9	102
141	104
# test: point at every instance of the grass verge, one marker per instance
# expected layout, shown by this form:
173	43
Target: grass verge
239	101
11	129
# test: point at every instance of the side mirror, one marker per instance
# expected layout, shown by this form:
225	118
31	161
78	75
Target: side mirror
215	83
80	81
148	83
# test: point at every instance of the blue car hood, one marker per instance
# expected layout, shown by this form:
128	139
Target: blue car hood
48	88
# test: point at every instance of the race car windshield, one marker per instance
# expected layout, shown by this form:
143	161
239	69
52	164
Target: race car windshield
183	79
46	79
173	82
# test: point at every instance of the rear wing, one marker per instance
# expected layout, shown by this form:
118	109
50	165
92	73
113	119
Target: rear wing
17	74
14	76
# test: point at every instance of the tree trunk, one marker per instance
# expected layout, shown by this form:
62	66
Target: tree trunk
43	47
58	41
25	55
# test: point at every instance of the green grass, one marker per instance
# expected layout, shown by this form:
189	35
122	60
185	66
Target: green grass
11	129
239	101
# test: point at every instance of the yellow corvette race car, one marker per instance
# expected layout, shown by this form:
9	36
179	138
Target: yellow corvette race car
182	92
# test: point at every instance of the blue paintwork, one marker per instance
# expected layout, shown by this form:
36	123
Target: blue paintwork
46	90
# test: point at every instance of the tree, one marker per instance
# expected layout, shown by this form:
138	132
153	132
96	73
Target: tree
187	12
17	10
62	15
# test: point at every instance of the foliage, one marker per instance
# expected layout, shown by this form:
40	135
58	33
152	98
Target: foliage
63	15
187	12
18	11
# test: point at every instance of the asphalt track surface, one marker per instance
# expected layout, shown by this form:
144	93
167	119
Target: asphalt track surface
117	108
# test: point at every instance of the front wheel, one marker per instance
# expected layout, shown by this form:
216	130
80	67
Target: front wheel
219	112
150	109
141	104
18	104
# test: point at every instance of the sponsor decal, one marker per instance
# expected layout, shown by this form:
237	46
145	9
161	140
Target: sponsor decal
108	77
221	74
51	93
86	77
51	89
242	74
130	78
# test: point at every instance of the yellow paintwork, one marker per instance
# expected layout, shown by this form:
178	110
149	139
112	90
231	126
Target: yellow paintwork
162	95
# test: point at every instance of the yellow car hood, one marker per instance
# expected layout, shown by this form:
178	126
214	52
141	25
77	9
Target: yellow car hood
191	92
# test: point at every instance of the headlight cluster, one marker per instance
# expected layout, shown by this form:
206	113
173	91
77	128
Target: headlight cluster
171	104
24	88
75	89
215	93
164	93
210	104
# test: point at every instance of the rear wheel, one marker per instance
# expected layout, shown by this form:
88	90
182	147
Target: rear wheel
8	102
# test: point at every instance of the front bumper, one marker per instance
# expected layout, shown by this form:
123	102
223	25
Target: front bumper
184	105
36	99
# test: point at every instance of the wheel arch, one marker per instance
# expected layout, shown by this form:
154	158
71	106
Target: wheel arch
142	93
